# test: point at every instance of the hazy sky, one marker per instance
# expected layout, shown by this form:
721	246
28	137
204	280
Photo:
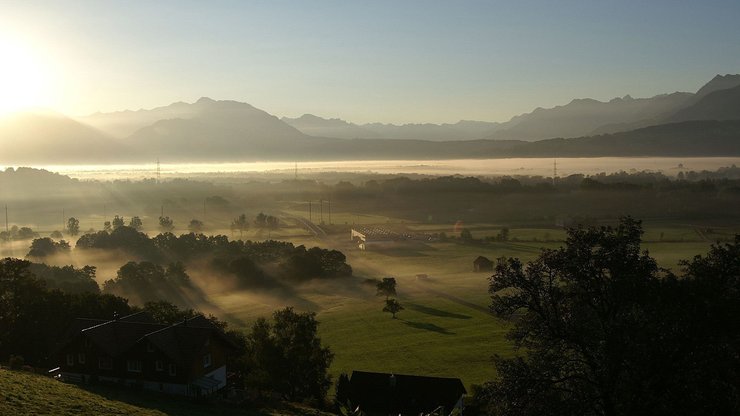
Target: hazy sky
390	61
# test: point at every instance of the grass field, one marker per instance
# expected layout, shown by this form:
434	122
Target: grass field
24	393
445	329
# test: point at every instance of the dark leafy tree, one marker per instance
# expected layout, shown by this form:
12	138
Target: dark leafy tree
286	356
602	333
166	224
24	233
136	223
386	287
68	279
195	226
43	247
73	226
241	224
466	235
342	391
107	226
118	222
56	235
392	306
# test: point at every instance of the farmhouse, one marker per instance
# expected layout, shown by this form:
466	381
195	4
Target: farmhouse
482	264
187	358
399	394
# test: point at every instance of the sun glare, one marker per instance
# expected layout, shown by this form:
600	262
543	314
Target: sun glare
22	80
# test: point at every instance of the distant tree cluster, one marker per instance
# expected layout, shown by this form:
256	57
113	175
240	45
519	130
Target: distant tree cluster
604	331
149	282
44	247
68	279
33	317
18	233
266	221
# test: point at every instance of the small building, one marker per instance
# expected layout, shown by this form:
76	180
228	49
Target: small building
187	358
400	394
482	264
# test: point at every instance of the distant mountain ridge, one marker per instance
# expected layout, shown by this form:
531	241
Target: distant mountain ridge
704	123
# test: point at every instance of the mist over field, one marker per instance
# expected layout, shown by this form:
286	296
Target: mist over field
370	208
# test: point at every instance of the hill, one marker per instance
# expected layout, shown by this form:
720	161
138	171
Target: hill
689	138
47	137
337	128
717	105
30	394
218	130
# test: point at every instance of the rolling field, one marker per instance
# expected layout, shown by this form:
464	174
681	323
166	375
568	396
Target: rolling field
445	329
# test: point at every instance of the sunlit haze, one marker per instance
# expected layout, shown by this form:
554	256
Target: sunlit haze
23	81
385	61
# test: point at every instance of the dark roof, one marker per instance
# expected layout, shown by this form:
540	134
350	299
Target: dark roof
184	341
403	394
181	341
117	336
481	259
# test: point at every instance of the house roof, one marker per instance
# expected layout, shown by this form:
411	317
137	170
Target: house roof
481	259
403	394
181	341
116	336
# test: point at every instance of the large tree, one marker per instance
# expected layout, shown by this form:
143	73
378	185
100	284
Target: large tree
603	331
286	356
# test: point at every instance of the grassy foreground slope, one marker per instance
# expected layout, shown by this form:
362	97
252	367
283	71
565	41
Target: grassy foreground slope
31	394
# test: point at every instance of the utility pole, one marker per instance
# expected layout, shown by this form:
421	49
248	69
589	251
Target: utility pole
7	230
310	219
64	222
158	171
204	210
296	171
329	210
321	211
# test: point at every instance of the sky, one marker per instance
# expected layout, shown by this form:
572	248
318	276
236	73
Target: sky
365	61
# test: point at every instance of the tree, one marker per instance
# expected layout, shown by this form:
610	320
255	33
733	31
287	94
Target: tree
342	391
386	287
73	226
286	356
195	226
466	235
503	235
107	227
602	333
25	233
135	223
118	222
166	224
42	247
56	235
393	307
240	223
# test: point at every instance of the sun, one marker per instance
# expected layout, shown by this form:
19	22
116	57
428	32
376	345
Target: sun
22	78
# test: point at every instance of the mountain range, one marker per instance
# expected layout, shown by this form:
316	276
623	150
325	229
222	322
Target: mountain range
701	123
